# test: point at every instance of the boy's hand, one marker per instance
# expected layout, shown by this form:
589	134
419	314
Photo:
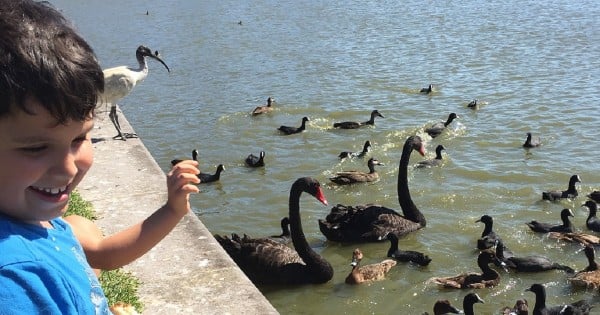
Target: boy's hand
181	181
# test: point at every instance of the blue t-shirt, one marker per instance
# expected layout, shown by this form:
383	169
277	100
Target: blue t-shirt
44	271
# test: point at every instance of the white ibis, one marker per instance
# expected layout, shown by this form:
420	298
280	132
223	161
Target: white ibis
119	81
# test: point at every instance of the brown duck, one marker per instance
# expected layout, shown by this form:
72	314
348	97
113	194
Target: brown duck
372	272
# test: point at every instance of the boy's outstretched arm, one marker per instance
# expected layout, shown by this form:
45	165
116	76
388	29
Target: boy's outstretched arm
123	247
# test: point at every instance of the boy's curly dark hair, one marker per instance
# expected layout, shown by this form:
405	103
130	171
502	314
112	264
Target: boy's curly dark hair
42	56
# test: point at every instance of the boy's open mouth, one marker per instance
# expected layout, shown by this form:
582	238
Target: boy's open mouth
50	191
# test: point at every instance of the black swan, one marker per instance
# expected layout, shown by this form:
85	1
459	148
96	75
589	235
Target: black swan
285	236
565	227
472	280
531	142
540	308
367	273
594	195
590	276
437	161
473	104
592	222
356	124
442	307
208	178
405	255
532	263
268	262
351	177
571	192
488	237
263	109
371	223
256	161
427	90
292	130
521	308
469	301
437	128
365	150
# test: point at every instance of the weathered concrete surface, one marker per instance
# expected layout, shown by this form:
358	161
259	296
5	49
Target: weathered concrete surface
187	272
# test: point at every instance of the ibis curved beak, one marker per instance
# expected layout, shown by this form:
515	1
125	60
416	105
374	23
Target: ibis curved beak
161	61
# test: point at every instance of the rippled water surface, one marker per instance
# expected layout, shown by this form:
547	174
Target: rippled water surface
533	65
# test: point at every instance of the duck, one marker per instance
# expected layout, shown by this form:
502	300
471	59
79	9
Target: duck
264	108
531	142
365	150
285	236
256	161
594	195
488	238
540	308
405	255
427	90
442	307
474	104
367	273
473	280
433	162
372	222
571	192
352	177
590	276
356	124
532	263
287	130
437	128
265	261
592	222
565	227
469	302
194	157
209	178
521	308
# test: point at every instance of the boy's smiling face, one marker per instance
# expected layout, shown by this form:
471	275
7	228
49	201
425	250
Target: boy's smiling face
41	162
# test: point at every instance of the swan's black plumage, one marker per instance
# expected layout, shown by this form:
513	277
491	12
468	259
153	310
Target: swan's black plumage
371	223
292	130
256	161
405	255
571	191
565	227
268	262
356	124
437	128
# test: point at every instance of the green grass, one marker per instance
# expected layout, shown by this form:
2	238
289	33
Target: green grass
118	285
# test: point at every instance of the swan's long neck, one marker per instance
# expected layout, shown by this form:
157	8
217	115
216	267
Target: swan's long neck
409	209
318	267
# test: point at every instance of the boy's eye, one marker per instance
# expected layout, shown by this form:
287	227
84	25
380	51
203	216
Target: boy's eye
34	149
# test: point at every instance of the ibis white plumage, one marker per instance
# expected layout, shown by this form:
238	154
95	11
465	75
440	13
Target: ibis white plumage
120	81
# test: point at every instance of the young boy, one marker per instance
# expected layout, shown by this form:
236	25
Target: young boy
49	83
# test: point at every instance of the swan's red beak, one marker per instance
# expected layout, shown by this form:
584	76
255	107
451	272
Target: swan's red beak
321	197
422	150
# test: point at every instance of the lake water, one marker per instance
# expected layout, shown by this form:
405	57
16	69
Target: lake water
534	66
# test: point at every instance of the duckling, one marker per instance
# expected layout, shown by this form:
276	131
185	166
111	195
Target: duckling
355	124
405	255
351	177
256	161
566	225
437	128
571	191
372	272
265	108
287	130
590	276
472	280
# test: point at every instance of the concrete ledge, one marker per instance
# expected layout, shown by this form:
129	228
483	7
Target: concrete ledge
187	272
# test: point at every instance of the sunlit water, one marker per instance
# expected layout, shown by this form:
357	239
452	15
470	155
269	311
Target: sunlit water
532	64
